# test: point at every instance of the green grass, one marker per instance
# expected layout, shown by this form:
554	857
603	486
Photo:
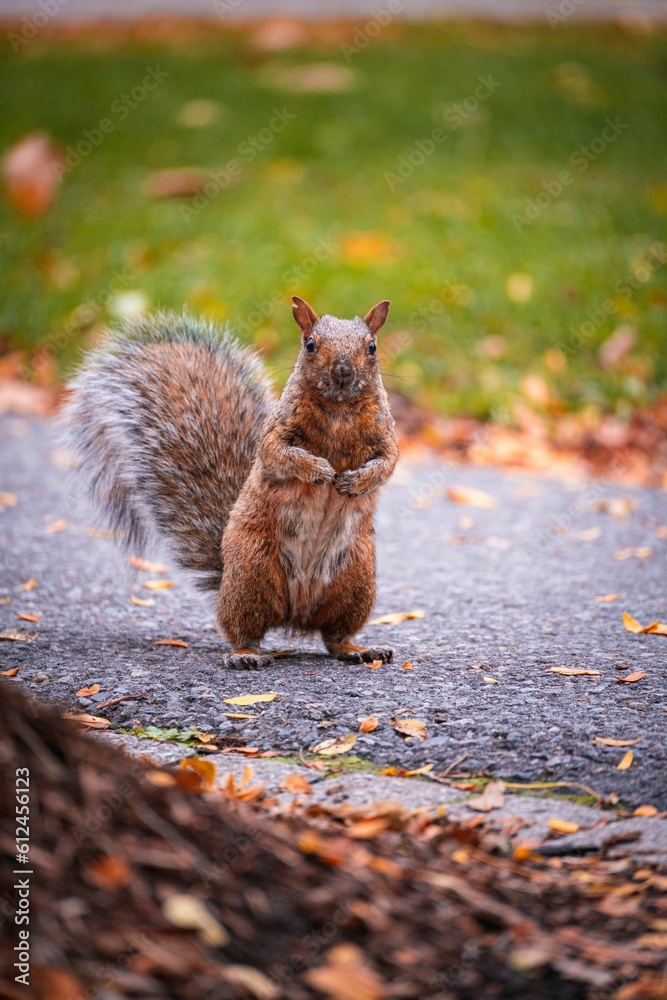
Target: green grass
441	245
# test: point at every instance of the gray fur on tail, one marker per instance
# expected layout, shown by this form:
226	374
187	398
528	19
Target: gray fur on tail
164	419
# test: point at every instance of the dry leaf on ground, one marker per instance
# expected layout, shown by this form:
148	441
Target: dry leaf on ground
471	497
626	761
88	721
29	584
54	527
12	672
17	635
189	912
204	770
396	617
171	642
574	672
410	727
28	618
638	675
296	784
158	584
608	741
493	797
250	699
490	680
85	692
562	826
374	665
335	746
368	724
646	811
147	602
407	666
607	597
640	553
149	567
346	977
8	499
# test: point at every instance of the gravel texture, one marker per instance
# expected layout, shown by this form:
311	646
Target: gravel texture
510	592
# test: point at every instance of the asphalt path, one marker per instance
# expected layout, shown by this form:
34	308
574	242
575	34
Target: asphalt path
507	592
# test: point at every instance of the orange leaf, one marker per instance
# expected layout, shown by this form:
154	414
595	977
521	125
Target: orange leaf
89	721
158	584
368	724
562	826
29	584
410	727
149	567
54	527
408	666
607	597
631	624
171	642
632	678
296	784
656	628
493	797
108	873
205	770
609	742
86	692
471	497
375	665
11	673
626	761
28	618
646	811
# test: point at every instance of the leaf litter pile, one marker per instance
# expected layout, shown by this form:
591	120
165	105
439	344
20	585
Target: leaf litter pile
147	884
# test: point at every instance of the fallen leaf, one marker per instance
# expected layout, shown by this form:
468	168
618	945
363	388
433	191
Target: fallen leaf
626	761
86	692
368	724
240	715
8	499
574	672
88	721
562	826
590	534
171	642
400	772
646	811
205	771
641	553
410	727
11	672
366	829
18	635
617	507
608	741
656	628
471	497
396	617
28	618
161	779
277	654
493	797
108	872
250	699
490	680
335	746
607	597
631	678
345	976
150	567
29	584
32	175
54	527
374	665
253	982
189	912
407	666
296	784
653	942
147	602
631	624
158	584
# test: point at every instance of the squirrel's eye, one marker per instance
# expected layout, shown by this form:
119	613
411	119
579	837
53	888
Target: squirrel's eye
310	345
372	347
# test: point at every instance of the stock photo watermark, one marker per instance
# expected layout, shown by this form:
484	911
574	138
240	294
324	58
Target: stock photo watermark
22	884
580	160
31	26
365	34
453	117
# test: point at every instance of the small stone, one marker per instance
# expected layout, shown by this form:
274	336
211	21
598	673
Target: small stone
40	678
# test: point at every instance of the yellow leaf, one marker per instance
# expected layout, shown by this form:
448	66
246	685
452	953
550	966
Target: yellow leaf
240	715
631	623
158	584
396	617
171	642
29	584
490	680
410	727
296	784
250	699
335	746
646	811
626	761
562	826
471	497
574	672
610	742
149	567
204	769
143	603
368	724
607	597
86	692
656	628
54	527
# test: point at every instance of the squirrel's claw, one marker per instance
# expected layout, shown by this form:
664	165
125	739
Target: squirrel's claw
247	661
367	655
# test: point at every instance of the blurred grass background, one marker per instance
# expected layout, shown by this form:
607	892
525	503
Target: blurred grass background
444	245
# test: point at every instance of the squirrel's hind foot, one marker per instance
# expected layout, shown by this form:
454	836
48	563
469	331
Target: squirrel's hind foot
360	654
247	661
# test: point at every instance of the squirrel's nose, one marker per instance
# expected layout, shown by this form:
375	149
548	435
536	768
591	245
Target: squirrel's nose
342	372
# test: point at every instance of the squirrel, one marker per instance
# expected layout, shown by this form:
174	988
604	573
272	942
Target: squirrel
178	430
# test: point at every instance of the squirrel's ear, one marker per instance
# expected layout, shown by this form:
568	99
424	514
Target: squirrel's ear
377	317
304	315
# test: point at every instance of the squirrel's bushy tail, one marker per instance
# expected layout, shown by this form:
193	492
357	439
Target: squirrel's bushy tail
164	419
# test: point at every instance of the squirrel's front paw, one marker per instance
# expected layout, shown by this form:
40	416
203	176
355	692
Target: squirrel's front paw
347	483
322	471
247	661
